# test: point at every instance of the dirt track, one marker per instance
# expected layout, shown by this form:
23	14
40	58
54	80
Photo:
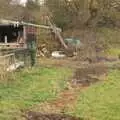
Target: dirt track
38	116
89	75
54	110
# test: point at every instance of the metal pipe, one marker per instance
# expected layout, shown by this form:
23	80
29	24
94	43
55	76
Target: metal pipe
26	24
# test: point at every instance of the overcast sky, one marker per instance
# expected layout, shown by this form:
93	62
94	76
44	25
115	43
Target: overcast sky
23	1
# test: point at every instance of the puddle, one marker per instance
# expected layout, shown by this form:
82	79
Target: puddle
39	116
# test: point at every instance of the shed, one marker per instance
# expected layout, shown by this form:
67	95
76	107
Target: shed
15	34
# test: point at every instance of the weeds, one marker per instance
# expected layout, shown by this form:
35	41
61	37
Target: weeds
101	101
30	87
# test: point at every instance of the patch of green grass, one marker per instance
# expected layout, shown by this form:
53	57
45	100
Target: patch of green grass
109	38
113	51
31	87
102	100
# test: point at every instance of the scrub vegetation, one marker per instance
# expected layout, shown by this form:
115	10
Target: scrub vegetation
30	87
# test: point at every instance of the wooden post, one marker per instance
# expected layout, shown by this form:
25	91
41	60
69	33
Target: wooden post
57	33
6	39
25	36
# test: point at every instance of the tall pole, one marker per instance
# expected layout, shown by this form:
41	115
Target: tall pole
57	33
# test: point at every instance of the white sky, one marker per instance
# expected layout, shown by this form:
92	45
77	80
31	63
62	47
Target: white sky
23	1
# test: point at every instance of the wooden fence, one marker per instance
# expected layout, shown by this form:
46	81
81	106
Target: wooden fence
5	62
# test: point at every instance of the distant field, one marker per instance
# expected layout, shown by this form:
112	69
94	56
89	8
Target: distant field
30	87
101	101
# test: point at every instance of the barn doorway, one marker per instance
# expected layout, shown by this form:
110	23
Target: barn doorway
10	33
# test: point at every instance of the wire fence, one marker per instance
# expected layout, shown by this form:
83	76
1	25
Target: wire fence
15	57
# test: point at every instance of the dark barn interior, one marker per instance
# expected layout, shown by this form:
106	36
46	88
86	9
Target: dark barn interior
12	32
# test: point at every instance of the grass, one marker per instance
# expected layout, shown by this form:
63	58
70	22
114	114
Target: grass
113	51
30	87
110	38
102	100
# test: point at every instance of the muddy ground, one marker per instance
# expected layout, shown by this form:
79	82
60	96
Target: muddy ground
39	116
84	75
89	75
